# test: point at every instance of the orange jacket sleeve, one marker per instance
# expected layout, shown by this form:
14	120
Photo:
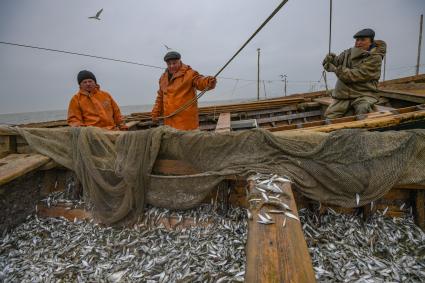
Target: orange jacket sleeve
157	108
117	113
199	81
75	118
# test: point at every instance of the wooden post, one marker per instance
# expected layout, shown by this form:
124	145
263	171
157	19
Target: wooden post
418	63
258	74
420	208
12	146
276	253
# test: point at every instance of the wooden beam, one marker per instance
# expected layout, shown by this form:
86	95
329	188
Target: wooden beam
276	253
289	117
420	208
223	123
370	123
16	165
406	96
67	212
173	167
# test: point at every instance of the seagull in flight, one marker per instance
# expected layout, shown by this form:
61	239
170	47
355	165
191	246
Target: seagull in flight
97	15
168	48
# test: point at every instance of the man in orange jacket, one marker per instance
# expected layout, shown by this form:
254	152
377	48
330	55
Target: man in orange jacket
91	106
178	85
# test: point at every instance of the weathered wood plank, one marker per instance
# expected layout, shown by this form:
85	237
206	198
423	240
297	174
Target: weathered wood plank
276	253
223	123
16	165
400	95
420	208
289	117
173	167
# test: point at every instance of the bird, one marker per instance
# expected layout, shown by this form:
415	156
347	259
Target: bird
97	15
168	48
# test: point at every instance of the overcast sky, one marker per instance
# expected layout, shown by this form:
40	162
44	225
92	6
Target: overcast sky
206	33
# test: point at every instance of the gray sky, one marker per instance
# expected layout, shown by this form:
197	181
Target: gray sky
206	33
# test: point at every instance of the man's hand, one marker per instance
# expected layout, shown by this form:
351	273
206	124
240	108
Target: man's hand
329	59
330	67
211	82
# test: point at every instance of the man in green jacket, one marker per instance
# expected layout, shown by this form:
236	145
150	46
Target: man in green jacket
358	70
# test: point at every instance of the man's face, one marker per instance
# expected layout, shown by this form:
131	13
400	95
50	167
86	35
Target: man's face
88	85
363	43
174	65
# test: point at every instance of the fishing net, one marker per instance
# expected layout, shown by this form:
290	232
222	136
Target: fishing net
116	168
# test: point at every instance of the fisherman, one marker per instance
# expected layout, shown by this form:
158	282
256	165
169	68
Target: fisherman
93	107
358	70
177	86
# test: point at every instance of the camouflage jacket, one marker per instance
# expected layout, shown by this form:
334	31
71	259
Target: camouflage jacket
358	71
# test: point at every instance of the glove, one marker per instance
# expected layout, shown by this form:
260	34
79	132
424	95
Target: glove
328	59
211	82
330	67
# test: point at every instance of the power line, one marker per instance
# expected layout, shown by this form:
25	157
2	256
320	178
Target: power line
81	54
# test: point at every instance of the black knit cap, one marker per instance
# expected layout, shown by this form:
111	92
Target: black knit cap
367	32
84	75
172	55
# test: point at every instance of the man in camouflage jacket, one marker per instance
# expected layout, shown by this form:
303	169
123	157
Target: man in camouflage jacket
358	70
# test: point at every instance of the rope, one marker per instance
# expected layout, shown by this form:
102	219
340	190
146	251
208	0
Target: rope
199	95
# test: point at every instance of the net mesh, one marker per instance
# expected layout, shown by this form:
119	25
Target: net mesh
116	168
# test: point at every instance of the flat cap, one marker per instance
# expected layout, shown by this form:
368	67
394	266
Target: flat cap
367	32
172	55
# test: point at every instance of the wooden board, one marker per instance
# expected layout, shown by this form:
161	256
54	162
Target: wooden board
276	253
223	123
16	165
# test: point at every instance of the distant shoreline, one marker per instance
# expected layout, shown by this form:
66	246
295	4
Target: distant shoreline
54	115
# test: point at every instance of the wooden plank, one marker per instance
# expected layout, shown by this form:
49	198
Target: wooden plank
289	117
67	212
16	165
173	167
326	100
406	96
223	123
371	123
276	253
420	209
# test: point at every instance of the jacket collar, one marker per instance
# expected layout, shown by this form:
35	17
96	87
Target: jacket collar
183	69
83	92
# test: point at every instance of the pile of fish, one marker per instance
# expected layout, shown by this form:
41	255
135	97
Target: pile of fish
344	248
58	250
268	193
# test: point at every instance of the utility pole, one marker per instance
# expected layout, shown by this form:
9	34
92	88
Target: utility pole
284	83
420	43
258	74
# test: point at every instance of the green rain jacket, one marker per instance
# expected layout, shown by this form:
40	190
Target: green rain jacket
358	71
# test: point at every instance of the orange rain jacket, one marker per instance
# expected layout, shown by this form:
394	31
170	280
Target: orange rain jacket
176	92
97	109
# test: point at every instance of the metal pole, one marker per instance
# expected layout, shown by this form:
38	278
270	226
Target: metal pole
264	86
330	25
285	83
419	45
258	74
